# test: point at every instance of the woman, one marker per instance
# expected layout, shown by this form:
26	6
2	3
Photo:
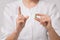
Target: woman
27	28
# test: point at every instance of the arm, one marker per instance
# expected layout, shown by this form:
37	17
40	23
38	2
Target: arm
20	22
13	36
46	22
8	26
52	34
53	31
51	22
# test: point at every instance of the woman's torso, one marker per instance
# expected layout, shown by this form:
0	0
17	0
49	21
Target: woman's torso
33	30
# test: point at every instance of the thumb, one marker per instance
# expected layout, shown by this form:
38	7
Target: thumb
26	17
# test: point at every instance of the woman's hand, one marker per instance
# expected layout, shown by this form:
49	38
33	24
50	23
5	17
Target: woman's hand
44	20
21	20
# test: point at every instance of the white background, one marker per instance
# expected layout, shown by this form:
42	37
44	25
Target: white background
4	2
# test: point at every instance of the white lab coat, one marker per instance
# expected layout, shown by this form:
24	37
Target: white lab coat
33	30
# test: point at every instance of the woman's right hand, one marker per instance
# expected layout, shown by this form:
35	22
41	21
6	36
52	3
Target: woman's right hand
21	20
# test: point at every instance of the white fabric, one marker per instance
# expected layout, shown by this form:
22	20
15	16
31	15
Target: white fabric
32	30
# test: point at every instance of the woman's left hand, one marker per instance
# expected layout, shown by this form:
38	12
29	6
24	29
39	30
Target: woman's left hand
44	19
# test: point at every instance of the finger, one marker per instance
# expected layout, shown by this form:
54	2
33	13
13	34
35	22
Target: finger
44	22
20	21
19	11
26	18
40	15
40	20
21	18
37	19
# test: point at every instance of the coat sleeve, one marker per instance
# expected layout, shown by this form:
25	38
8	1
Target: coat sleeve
55	18
7	27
